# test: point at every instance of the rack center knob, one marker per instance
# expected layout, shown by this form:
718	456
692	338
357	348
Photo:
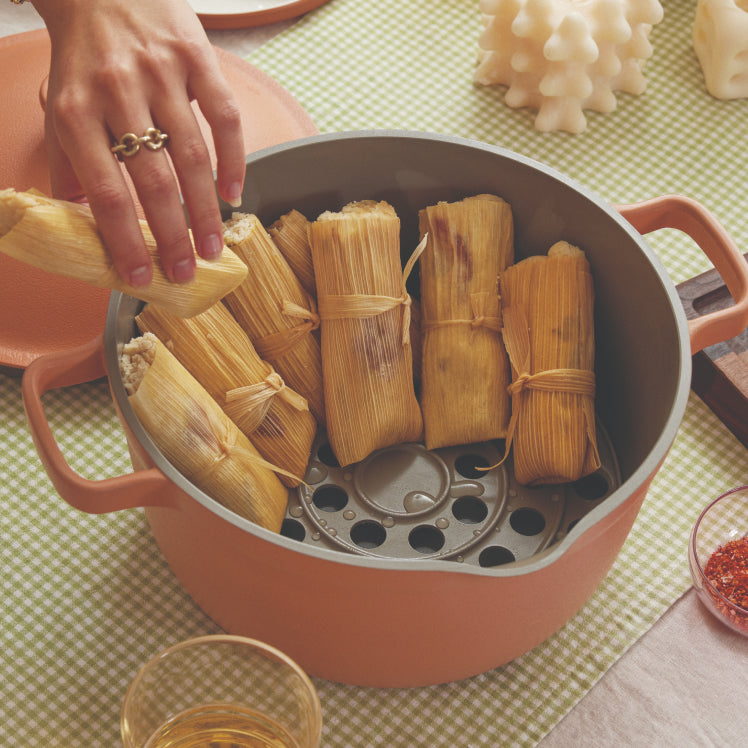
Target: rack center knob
403	480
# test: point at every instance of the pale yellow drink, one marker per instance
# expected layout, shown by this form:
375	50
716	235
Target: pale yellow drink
221	726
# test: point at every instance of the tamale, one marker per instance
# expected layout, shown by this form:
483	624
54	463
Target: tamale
217	352
365	324
289	233
416	339
274	310
464	365
549	334
62	238
196	436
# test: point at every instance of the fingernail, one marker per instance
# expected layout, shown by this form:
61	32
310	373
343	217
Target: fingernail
184	270
211	247
234	194
141	276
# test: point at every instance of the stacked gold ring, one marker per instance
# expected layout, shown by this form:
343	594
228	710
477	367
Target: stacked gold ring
129	144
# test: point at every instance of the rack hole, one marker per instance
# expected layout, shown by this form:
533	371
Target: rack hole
293	529
426	539
330	498
368	534
495	555
327	456
467	466
527	521
592	487
470	510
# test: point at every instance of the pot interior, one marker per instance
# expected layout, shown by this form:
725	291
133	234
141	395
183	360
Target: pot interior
642	359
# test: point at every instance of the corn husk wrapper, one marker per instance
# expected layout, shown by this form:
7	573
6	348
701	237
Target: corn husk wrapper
365	313
61	237
217	352
289	233
464	367
549	334
416	339
196	436
274	310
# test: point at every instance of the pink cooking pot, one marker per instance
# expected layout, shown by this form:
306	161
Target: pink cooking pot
401	621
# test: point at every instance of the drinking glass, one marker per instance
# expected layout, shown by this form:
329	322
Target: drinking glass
221	690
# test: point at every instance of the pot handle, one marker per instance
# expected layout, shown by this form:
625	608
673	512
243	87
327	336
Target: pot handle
688	215
64	369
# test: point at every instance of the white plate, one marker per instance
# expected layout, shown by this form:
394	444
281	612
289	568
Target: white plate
231	14
236	7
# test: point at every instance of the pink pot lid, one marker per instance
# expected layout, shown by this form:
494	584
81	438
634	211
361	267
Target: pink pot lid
41	312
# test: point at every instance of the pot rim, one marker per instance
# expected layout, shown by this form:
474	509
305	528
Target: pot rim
637	481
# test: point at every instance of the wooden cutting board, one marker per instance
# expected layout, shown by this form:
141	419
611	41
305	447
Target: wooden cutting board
720	372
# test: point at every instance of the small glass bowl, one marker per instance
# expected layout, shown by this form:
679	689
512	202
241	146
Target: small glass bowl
725	519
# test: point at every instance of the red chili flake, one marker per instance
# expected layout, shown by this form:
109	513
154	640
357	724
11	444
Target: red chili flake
727	570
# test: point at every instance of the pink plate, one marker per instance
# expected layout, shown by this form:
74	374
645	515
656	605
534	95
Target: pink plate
42	312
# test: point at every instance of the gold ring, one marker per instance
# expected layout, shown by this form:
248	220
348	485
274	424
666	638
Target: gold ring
129	144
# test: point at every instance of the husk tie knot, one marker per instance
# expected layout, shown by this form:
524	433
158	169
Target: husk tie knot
482	304
248	406
361	306
573	381
276	345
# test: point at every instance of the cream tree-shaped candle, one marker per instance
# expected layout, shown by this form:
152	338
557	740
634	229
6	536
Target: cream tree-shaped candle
720	39
562	57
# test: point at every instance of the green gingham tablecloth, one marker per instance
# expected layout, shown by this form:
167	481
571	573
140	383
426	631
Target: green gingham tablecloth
87	599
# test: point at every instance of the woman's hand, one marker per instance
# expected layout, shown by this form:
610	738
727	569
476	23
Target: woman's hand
123	67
